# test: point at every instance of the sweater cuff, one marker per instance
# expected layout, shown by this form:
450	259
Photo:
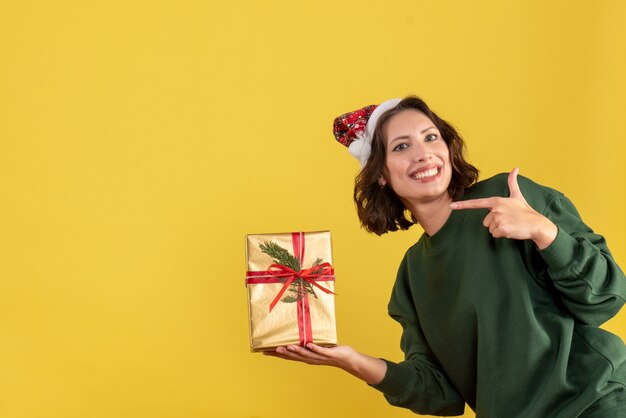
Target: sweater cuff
395	381
561	252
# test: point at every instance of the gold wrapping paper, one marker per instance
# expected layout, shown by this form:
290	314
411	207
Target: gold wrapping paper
280	327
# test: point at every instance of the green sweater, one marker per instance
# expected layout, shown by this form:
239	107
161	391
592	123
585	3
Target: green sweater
502	326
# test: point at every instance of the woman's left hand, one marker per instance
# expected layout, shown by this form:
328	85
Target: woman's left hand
512	217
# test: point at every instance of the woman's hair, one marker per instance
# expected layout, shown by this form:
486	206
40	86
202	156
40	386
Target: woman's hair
379	208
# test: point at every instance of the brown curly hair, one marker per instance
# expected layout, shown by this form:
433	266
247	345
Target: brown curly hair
380	210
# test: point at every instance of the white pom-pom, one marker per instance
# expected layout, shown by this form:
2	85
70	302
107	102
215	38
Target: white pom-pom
361	149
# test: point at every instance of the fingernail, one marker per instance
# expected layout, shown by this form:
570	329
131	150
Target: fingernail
291	348
453	205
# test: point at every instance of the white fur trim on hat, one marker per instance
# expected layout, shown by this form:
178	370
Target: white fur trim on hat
361	148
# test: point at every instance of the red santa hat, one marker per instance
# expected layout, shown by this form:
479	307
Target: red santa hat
355	129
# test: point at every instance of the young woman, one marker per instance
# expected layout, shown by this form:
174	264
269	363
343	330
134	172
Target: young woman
500	299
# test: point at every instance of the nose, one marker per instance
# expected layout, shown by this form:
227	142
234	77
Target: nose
422	153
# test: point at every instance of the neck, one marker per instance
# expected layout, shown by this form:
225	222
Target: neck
431	215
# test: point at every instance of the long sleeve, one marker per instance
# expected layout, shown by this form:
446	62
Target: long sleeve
591	284
418	383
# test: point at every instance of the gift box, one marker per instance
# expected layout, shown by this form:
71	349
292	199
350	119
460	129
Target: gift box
290	281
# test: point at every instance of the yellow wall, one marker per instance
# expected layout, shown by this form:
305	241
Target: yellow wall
141	140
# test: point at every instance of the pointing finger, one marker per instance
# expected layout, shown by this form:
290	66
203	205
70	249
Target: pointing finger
484	203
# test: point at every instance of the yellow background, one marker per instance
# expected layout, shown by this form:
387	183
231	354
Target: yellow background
141	140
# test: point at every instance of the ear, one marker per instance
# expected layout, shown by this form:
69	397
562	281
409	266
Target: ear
382	181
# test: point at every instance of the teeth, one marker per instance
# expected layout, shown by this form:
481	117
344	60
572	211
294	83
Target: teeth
424	174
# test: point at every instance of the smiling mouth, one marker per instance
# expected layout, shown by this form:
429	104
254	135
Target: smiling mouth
420	175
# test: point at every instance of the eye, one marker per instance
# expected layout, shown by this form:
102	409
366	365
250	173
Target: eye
400	147
431	137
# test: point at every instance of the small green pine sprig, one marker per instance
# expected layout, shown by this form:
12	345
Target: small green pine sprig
280	255
298	287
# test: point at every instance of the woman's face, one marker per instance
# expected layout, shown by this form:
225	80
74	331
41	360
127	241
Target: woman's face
417	162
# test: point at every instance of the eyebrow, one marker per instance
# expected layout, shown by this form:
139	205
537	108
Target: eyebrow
408	136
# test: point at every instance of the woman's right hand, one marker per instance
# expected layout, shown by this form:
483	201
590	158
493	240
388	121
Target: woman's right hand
370	369
337	356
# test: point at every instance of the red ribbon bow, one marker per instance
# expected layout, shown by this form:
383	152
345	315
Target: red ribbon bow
280	271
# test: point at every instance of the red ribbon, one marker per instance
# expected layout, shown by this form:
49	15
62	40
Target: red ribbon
277	273
307	274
